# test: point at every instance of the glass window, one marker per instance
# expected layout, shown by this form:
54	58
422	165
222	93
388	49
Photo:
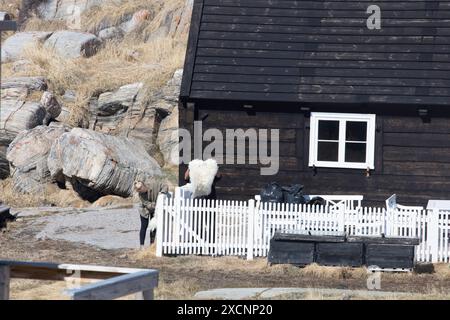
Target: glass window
355	152
342	140
327	151
356	131
328	130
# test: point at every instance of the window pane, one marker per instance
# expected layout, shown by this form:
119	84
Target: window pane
356	131
327	151
355	152
328	130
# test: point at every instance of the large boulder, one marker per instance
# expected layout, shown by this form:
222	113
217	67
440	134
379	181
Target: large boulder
51	105
13	47
113	103
130	112
64	9
16	116
28	83
71	44
124	113
27	156
101	162
110	33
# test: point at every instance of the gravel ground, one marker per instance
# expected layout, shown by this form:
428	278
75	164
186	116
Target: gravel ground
113	228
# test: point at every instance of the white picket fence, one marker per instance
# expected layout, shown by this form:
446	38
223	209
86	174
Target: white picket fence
244	228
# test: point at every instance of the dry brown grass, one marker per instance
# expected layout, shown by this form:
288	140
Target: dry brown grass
177	290
116	64
35	24
113	13
442	270
11	6
37	290
51	196
259	265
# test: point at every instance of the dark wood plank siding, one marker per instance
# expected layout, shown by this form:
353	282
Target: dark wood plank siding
319	52
412	158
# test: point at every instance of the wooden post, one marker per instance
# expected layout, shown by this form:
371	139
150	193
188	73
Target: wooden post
5	276
148	295
145	295
159	212
251	229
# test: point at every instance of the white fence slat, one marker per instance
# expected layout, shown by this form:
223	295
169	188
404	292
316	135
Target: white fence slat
251	229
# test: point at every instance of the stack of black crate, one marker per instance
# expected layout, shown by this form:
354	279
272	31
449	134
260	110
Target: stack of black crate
340	250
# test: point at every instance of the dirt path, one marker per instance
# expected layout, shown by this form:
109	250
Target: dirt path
182	277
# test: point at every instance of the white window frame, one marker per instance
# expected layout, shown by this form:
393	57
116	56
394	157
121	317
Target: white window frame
342	118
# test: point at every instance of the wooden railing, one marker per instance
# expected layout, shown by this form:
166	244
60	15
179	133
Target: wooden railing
111	282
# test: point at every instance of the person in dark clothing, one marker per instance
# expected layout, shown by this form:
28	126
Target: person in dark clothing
148	194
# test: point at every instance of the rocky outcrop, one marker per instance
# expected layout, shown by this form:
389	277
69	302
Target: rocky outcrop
123	113
13	47
51	106
71	44
64	9
100	162
171	91
110	33
16	116
136	21
29	83
168	138
113	103
18	113
27	156
174	22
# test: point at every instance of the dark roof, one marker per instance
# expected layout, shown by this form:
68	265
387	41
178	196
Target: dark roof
319	51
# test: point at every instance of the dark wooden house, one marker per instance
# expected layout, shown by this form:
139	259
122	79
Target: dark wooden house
361	110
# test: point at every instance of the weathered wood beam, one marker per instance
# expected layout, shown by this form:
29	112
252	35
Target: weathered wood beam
119	281
8	25
60	272
142	281
5	278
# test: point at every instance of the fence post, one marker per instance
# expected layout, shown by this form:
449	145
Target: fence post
250	229
159	212
4	282
433	235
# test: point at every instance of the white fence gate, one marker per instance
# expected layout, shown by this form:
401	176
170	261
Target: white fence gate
244	228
